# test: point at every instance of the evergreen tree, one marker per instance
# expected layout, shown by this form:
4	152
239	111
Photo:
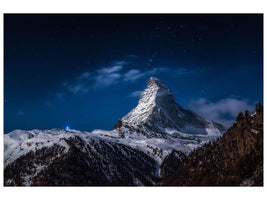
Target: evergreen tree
247	114
258	107
240	117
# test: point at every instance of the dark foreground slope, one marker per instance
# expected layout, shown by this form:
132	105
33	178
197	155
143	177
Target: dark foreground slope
86	163
234	159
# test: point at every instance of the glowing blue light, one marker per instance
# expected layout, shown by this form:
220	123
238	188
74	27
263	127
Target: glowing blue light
67	128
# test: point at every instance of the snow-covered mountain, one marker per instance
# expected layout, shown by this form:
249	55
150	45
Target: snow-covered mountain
157	110
137	152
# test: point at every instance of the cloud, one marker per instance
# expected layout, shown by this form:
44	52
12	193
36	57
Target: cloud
107	76
104	77
84	75
118	72
135	74
97	79
135	94
110	70
132	75
75	88
223	111
105	80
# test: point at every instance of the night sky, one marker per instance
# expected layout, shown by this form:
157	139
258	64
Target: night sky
87	71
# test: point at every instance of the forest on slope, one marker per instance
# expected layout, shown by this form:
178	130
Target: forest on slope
235	159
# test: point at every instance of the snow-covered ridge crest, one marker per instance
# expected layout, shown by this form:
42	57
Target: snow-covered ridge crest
20	142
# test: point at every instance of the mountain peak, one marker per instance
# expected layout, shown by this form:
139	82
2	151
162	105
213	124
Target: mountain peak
153	81
157	108
156	95
156	90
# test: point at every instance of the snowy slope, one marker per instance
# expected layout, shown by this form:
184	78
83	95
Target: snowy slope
20	144
105	160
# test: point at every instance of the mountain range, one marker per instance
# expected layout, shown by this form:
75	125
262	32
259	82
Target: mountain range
145	146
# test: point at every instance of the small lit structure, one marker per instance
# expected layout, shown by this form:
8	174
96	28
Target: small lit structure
67	128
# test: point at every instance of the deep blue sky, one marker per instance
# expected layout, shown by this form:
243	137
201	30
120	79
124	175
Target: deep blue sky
86	71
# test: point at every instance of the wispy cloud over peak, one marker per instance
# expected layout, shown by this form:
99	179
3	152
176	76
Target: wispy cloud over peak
117	72
110	70
133	75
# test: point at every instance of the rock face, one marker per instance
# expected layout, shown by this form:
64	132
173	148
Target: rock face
145	145
118	124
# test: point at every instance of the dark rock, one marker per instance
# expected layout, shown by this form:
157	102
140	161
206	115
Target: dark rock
118	124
